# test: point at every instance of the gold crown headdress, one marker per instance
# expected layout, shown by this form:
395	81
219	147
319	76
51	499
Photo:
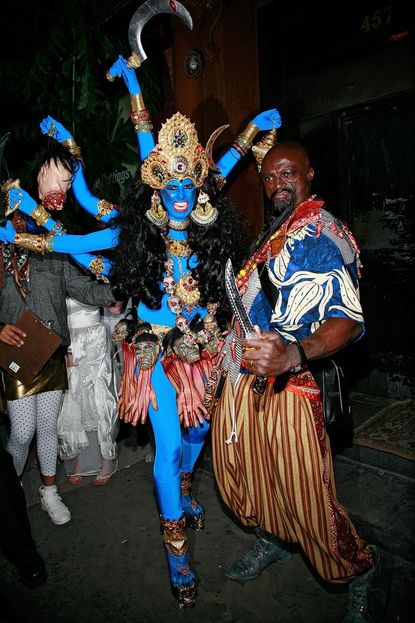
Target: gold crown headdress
263	146
177	155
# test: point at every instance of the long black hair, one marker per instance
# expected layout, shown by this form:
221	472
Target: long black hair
141	252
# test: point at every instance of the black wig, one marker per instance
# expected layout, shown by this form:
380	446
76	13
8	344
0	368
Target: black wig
141	252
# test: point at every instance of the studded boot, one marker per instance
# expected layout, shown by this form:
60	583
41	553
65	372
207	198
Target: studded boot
182	578
366	595
193	512
267	550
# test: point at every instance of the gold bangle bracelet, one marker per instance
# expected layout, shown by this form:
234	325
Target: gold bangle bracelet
40	215
137	102
246	138
31	242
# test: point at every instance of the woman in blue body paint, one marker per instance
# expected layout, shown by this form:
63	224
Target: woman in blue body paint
173	235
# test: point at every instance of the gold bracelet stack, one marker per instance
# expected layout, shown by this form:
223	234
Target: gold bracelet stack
40	215
71	146
104	208
140	116
244	141
31	242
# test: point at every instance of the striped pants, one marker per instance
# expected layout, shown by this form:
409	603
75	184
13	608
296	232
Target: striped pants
277	474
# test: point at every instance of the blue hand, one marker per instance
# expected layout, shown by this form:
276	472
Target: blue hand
19	199
56	130
268	119
7	234
120	70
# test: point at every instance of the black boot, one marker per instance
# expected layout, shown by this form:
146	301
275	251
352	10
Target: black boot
366	595
266	550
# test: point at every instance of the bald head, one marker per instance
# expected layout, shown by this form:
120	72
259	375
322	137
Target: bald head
287	175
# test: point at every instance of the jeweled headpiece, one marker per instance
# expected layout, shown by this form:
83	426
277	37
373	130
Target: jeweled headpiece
177	155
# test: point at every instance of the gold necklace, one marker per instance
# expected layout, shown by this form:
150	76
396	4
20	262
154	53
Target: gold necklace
177	248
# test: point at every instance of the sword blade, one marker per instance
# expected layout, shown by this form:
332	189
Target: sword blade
236	302
148	10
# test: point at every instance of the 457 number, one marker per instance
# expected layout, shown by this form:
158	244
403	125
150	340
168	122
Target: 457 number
378	18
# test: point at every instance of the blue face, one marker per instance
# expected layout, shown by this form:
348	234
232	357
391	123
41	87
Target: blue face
179	198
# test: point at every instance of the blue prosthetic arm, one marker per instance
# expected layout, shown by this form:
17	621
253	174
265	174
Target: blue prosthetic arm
139	114
19	199
266	120
99	208
96	264
96	241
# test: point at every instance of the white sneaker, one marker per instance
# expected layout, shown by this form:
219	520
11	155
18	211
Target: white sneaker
51	502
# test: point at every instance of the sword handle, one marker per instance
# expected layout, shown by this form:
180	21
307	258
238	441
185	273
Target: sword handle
134	61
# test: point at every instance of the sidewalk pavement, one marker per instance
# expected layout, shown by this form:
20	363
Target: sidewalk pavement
108	562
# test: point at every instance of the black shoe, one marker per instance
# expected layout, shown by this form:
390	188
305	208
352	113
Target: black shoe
266	550
367	599
32	572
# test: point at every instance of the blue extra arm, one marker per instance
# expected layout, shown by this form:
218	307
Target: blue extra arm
139	114
99	208
75	244
266	120
94	263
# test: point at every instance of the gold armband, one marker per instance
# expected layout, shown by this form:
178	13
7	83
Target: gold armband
97	265
104	208
71	145
32	242
143	126
244	141
137	102
40	215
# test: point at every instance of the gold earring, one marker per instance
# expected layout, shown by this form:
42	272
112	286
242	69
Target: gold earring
204	213
157	214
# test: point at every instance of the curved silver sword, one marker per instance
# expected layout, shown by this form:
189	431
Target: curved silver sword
140	18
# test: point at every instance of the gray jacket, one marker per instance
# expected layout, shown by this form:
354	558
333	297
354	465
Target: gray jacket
51	278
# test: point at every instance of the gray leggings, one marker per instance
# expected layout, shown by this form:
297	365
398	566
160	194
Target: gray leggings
35	414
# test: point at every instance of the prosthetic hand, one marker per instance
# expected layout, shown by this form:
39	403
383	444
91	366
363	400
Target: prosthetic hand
266	120
120	69
101	209
19	199
7	234
140	116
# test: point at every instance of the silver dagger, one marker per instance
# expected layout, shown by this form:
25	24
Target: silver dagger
241	315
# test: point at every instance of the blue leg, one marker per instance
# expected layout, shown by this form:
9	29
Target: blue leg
192	444
167	435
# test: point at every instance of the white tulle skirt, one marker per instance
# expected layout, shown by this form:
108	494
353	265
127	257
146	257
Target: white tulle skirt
88	422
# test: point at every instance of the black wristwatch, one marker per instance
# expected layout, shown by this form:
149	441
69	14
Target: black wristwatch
303	359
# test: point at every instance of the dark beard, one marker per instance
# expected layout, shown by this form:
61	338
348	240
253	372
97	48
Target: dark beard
280	211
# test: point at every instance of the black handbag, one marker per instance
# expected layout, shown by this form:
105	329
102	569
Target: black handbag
331	381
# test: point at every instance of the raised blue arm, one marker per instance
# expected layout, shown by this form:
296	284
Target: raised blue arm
266	120
139	114
99	208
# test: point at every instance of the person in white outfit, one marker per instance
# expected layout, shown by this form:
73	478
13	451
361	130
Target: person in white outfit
88	422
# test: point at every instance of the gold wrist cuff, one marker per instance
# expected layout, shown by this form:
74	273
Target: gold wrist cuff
137	102
71	145
49	243
246	138
104	208
40	215
32	242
